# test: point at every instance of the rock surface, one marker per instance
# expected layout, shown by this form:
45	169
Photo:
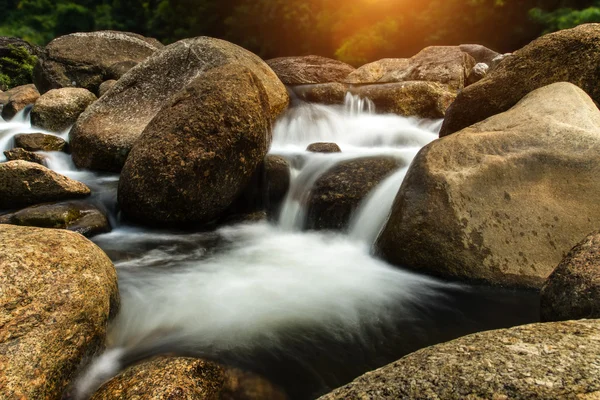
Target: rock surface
200	151
323	147
40	142
478	72
540	361
186	378
76	216
19	98
480	54
572	291
23	183
24	155
83	59
103	135
277	181
504	200
58	109
6	42
546	60
305	70
58	292
339	191
373	72
324	93
105	87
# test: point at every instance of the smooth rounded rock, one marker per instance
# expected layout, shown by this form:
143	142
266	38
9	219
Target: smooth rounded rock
305	70
40	142
323	147
478	72
323	93
19	98
373	72
19	153
480	54
58	109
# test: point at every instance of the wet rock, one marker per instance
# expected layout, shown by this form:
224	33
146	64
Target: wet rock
199	152
104	134
19	98
24	155
572	291
504	200
478	72
23	183
305	70
58	109
40	142
340	190
540	361
75	216
323	93
323	147
422	99
105	87
59	290
480	54
187	378
83	59
373	72
546	60
277	181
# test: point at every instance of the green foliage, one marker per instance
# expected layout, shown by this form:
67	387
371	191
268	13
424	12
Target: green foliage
17	68
565	18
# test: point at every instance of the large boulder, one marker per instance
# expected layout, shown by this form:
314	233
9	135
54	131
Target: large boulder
339	191
40	142
196	156
106	132
305	70
540	361
24	183
59	290
187	378
19	98
58	109
572	291
76	216
373	72
83	59
571	55
504	200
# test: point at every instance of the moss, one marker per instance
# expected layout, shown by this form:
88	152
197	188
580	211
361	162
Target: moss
17	68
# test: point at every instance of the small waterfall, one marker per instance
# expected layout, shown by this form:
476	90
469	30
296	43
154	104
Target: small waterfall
356	105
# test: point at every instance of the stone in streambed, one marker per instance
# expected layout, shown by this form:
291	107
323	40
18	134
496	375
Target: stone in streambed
323	147
59	291
323	93
19	98
40	142
23	155
305	70
58	109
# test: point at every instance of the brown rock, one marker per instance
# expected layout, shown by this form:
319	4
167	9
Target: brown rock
40	142
340	190
305	70
76	216
106	132
19	98
540	361
480	54
277	181
24	155
570	55
199	152
58	109
118	69
323	147
58	292
83	59
105	87
23	183
572	291
504	200
324	93
373	72
478	72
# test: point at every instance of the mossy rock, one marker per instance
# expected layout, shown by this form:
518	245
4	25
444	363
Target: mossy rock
16	64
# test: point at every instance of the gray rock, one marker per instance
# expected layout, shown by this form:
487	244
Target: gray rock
58	109
478	72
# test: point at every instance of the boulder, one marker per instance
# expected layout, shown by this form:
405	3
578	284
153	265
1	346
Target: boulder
58	109
277	181
504	200
40	142
118	69
421	99
323	147
570	55
76	216
83	59
19	98
305	70
324	93
186	378
199	152
4	97
59	290
7	43
555	361
572	291
104	134
24	155
24	183
373	72
480	54
478	72
339	191
105	87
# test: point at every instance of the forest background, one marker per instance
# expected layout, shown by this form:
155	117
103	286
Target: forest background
354	31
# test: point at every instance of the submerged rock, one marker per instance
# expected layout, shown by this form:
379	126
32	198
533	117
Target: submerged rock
24	155
540	361
19	98
104	134
40	142
58	109
504	200
305	70
76	216
199	152
83	59
572	291
24	183
323	147
59	290
340	190
570	55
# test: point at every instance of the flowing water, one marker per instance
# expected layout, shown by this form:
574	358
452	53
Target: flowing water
308	310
